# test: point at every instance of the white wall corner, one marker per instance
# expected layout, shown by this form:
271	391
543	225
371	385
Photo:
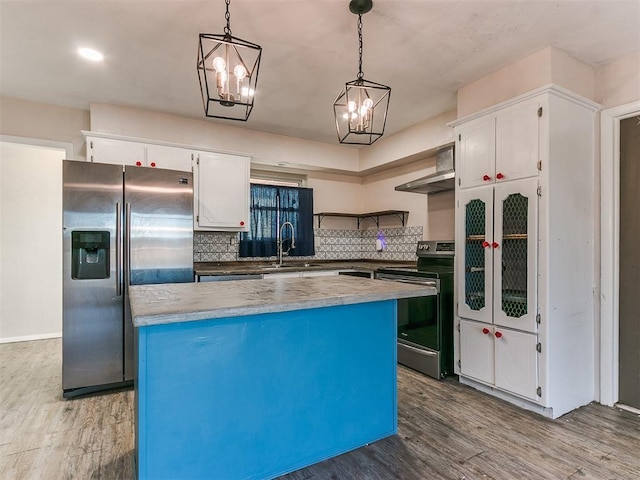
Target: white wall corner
572	74
527	74
618	82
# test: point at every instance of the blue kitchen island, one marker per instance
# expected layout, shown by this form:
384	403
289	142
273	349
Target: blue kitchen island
252	379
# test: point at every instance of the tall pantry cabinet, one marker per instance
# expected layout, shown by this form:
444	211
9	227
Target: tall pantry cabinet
525	212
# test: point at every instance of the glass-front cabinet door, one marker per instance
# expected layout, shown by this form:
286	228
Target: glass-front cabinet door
515	250
475	231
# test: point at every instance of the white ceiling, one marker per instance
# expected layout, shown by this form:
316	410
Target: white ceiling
424	50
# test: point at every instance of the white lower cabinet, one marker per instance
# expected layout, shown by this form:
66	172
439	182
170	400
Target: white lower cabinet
477	356
501	357
516	362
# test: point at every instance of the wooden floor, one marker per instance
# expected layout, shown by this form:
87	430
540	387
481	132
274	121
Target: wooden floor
446	431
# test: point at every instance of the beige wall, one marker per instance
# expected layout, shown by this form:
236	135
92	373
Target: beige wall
376	192
21	118
546	66
424	137
434	213
618	82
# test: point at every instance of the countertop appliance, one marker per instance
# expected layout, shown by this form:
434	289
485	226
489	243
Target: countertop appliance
121	226
425	324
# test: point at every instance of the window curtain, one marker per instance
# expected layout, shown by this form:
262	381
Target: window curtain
295	205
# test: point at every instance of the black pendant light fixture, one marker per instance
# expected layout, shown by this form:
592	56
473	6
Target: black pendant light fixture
228	73
361	108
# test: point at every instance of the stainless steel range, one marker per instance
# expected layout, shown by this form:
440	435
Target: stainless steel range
425	324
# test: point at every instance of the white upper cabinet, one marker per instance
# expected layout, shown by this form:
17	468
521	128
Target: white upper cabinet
517	138
117	152
476	152
138	154
222	190
499	147
170	158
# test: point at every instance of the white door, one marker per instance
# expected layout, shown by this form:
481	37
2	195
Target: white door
170	158
517	140
515	254
222	192
475	155
476	351
475	259
516	360
117	152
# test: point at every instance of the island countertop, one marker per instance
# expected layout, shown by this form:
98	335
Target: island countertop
184	302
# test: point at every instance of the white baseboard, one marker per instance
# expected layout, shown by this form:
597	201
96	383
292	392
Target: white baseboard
29	338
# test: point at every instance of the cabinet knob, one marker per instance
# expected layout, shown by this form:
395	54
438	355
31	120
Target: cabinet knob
495	245
499	176
498	334
138	164
153	164
485	244
485	331
242	224
486	178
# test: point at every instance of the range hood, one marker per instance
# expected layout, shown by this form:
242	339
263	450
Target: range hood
441	180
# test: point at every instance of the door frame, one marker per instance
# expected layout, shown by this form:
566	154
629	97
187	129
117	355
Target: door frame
610	247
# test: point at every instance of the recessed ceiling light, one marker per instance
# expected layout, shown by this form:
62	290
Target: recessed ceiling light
90	54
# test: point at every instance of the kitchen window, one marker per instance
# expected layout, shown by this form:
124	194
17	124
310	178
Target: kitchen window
270	207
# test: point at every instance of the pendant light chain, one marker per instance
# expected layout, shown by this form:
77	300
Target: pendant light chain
360	74
227	16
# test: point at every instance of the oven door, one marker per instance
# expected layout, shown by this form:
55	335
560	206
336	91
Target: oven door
419	334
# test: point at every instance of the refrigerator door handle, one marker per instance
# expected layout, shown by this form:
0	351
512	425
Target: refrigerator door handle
127	239
118	249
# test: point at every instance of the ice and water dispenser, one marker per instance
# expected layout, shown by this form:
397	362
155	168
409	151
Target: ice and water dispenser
90	255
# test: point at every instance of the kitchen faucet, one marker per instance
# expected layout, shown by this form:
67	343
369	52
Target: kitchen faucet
280	241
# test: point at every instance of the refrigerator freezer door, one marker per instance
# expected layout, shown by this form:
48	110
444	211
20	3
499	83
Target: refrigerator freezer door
92	303
159	244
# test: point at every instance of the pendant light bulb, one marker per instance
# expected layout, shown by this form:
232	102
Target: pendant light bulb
219	64
368	103
240	72
351	106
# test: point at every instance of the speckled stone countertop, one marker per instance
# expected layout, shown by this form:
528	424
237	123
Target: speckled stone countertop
252	268
184	302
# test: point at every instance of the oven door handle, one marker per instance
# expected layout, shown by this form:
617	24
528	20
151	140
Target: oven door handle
422	351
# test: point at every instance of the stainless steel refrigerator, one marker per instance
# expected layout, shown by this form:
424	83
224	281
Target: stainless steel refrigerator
121	226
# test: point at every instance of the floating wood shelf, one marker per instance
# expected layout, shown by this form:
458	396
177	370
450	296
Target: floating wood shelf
375	216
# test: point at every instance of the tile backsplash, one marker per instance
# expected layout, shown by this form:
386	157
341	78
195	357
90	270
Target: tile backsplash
399	244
